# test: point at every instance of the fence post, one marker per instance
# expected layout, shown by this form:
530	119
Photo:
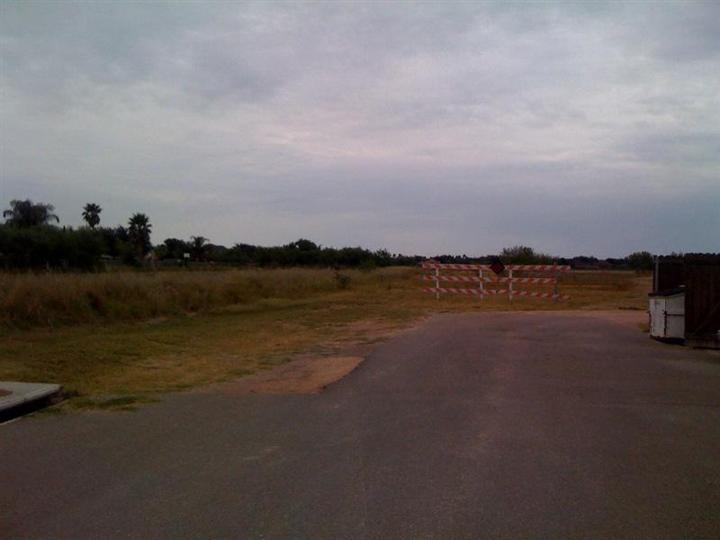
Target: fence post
510	285
437	283
555	286
481	286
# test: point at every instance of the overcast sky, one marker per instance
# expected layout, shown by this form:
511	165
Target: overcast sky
575	128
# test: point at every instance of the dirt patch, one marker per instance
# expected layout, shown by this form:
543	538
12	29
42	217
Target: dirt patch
4	392
312	371
301	376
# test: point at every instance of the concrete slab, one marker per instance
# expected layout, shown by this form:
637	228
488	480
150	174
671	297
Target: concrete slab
18	398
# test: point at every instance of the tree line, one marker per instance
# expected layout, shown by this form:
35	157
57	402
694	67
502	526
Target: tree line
32	238
639	260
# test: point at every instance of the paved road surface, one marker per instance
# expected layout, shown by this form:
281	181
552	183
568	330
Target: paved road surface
474	426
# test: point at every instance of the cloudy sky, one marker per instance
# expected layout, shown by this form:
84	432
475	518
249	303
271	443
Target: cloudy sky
420	127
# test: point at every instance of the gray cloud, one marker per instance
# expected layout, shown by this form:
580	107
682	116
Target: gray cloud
426	127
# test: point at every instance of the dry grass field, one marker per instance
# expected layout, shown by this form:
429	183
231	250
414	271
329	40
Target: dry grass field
117	338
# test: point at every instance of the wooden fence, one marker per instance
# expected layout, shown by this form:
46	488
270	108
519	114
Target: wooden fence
482	275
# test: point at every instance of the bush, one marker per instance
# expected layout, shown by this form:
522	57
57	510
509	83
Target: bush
524	255
47	247
342	280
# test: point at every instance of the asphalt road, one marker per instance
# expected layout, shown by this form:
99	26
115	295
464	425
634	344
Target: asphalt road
473	426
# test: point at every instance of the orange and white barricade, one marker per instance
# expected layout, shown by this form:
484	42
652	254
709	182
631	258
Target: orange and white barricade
483	274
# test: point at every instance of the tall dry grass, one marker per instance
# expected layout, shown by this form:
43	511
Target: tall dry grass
32	300
50	300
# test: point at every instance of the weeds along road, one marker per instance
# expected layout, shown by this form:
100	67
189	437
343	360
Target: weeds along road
513	425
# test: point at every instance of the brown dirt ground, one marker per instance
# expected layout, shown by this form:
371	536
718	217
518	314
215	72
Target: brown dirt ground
310	373
300	376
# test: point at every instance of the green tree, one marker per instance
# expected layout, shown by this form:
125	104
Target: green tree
49	247
29	214
139	229
91	214
383	257
303	245
175	248
524	255
640	260
199	247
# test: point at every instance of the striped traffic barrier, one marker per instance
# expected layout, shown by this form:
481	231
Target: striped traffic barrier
524	280
541	295
430	277
441	266
451	290
496	291
539	267
516	267
481	279
474	292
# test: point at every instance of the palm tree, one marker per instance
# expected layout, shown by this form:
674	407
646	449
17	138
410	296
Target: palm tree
139	229
29	214
91	214
199	247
